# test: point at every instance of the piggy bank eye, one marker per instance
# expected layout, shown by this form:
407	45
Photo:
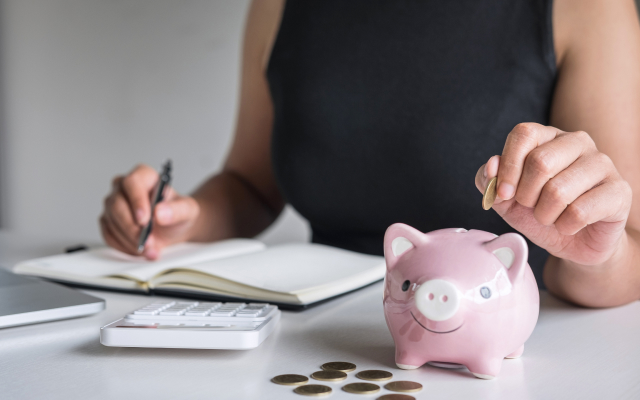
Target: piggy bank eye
405	286
485	292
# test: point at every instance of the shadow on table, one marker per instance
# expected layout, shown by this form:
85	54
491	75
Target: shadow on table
372	340
94	349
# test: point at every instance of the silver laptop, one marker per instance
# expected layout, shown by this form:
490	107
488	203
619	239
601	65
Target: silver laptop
28	300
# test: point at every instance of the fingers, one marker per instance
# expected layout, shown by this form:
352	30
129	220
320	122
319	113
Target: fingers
562	190
177	210
137	187
123	219
486	173
607	202
560	175
110	238
548	160
130	196
520	142
117	216
151	248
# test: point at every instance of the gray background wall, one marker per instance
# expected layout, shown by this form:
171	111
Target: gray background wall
92	87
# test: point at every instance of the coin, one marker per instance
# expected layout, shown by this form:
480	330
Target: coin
339	366
361	388
489	194
396	397
331	376
403	386
313	390
374	375
290	379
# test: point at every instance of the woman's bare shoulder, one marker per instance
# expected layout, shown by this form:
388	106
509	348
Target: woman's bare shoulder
263	21
582	26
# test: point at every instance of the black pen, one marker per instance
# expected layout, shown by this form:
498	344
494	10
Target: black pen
165	179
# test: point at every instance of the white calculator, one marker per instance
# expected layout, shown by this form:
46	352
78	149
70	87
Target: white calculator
193	325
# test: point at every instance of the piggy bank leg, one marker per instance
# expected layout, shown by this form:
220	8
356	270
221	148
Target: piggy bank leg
408	359
486	368
516	353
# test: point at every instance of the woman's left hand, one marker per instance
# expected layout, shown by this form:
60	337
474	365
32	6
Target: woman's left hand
559	191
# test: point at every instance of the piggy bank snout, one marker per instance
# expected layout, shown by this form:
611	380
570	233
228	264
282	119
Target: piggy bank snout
437	299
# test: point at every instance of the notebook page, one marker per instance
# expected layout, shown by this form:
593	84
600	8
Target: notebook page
103	262
293	268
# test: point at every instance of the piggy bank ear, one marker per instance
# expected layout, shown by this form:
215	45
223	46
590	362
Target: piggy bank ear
512	251
399	239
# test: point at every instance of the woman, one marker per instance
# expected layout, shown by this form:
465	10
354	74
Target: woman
365	113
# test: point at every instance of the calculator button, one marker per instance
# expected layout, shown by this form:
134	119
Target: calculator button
145	312
244	315
167	312
196	313
222	313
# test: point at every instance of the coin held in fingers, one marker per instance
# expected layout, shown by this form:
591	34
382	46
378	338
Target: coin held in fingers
490	194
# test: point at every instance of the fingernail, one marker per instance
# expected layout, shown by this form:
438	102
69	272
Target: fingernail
506	191
140	216
163	213
484	171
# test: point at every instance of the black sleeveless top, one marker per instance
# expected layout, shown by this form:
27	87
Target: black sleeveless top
385	110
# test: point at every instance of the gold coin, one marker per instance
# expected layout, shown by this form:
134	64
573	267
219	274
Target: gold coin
396	397
339	366
329	375
403	386
313	390
361	388
290	379
374	375
490	194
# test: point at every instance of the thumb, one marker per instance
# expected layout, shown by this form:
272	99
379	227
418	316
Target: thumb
485	174
176	211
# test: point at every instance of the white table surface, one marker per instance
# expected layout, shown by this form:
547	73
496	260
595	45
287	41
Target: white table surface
573	353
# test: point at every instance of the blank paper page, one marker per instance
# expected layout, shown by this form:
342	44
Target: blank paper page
104	262
292	267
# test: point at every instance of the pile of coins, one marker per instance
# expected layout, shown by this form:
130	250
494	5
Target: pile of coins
336	371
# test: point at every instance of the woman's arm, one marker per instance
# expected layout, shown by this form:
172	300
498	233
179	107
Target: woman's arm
569	187
244	199
598	91
240	201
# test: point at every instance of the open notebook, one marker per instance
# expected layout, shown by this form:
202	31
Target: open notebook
290	275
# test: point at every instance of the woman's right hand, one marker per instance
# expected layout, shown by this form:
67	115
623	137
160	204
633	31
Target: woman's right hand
127	209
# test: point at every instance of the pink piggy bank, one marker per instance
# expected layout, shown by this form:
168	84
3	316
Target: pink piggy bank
458	297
